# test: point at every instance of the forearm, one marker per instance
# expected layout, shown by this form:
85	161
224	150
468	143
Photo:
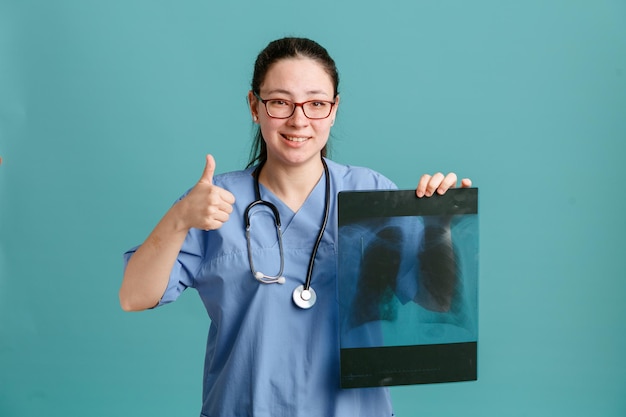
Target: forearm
147	273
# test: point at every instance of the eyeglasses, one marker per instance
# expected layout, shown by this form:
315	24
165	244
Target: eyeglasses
284	109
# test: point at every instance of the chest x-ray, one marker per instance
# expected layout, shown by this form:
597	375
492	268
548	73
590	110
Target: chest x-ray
408	287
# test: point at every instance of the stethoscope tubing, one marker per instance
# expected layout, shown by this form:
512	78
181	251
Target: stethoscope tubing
309	274
258	201
267	279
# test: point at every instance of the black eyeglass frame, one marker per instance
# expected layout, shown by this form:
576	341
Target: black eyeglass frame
295	106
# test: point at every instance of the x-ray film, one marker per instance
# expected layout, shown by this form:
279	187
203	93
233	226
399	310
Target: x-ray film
408	287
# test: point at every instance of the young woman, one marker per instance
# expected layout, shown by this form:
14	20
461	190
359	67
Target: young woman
273	346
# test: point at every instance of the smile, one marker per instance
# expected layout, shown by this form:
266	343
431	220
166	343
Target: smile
294	139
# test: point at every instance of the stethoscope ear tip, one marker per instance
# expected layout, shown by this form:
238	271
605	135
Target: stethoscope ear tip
269	280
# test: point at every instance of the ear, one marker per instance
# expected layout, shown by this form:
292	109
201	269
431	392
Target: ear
333	114
253	102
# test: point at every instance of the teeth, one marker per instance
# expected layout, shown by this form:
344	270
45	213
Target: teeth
293	139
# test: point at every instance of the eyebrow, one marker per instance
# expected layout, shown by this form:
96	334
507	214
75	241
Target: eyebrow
281	91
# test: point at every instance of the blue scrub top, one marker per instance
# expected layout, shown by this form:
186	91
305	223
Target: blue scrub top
265	357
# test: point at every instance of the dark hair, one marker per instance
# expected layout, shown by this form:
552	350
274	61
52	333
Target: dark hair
282	49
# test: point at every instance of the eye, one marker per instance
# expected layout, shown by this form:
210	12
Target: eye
319	104
279	103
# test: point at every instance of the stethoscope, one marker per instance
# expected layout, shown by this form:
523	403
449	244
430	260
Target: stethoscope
304	295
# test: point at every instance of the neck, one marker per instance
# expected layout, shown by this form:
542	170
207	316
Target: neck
292	184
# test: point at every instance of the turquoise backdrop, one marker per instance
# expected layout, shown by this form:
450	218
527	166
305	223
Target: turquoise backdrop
107	109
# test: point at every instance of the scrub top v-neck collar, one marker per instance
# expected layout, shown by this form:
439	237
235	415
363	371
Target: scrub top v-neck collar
308	213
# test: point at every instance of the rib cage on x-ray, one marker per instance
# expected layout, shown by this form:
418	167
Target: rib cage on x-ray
386	281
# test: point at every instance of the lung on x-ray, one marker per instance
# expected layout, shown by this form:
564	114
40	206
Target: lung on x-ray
408	287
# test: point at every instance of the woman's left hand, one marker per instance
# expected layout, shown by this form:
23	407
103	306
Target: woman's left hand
438	183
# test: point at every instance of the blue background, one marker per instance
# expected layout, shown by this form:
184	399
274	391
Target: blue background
107	109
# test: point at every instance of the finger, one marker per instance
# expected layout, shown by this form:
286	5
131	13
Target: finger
220	216
215	216
217	199
224	206
466	183
448	182
209	170
227	196
421	185
433	184
214	224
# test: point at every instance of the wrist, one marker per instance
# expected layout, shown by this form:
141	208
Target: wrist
177	219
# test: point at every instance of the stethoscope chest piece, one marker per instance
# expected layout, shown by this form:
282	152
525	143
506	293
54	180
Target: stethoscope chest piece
304	298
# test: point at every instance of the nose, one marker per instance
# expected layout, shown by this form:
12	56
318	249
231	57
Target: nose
298	118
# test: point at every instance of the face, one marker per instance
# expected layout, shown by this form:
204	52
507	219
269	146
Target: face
296	140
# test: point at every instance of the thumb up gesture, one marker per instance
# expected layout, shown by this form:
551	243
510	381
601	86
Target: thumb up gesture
206	206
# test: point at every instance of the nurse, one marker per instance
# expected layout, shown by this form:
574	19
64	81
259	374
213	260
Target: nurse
266	272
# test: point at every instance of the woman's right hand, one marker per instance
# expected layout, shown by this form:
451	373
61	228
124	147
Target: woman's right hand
206	206
147	273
